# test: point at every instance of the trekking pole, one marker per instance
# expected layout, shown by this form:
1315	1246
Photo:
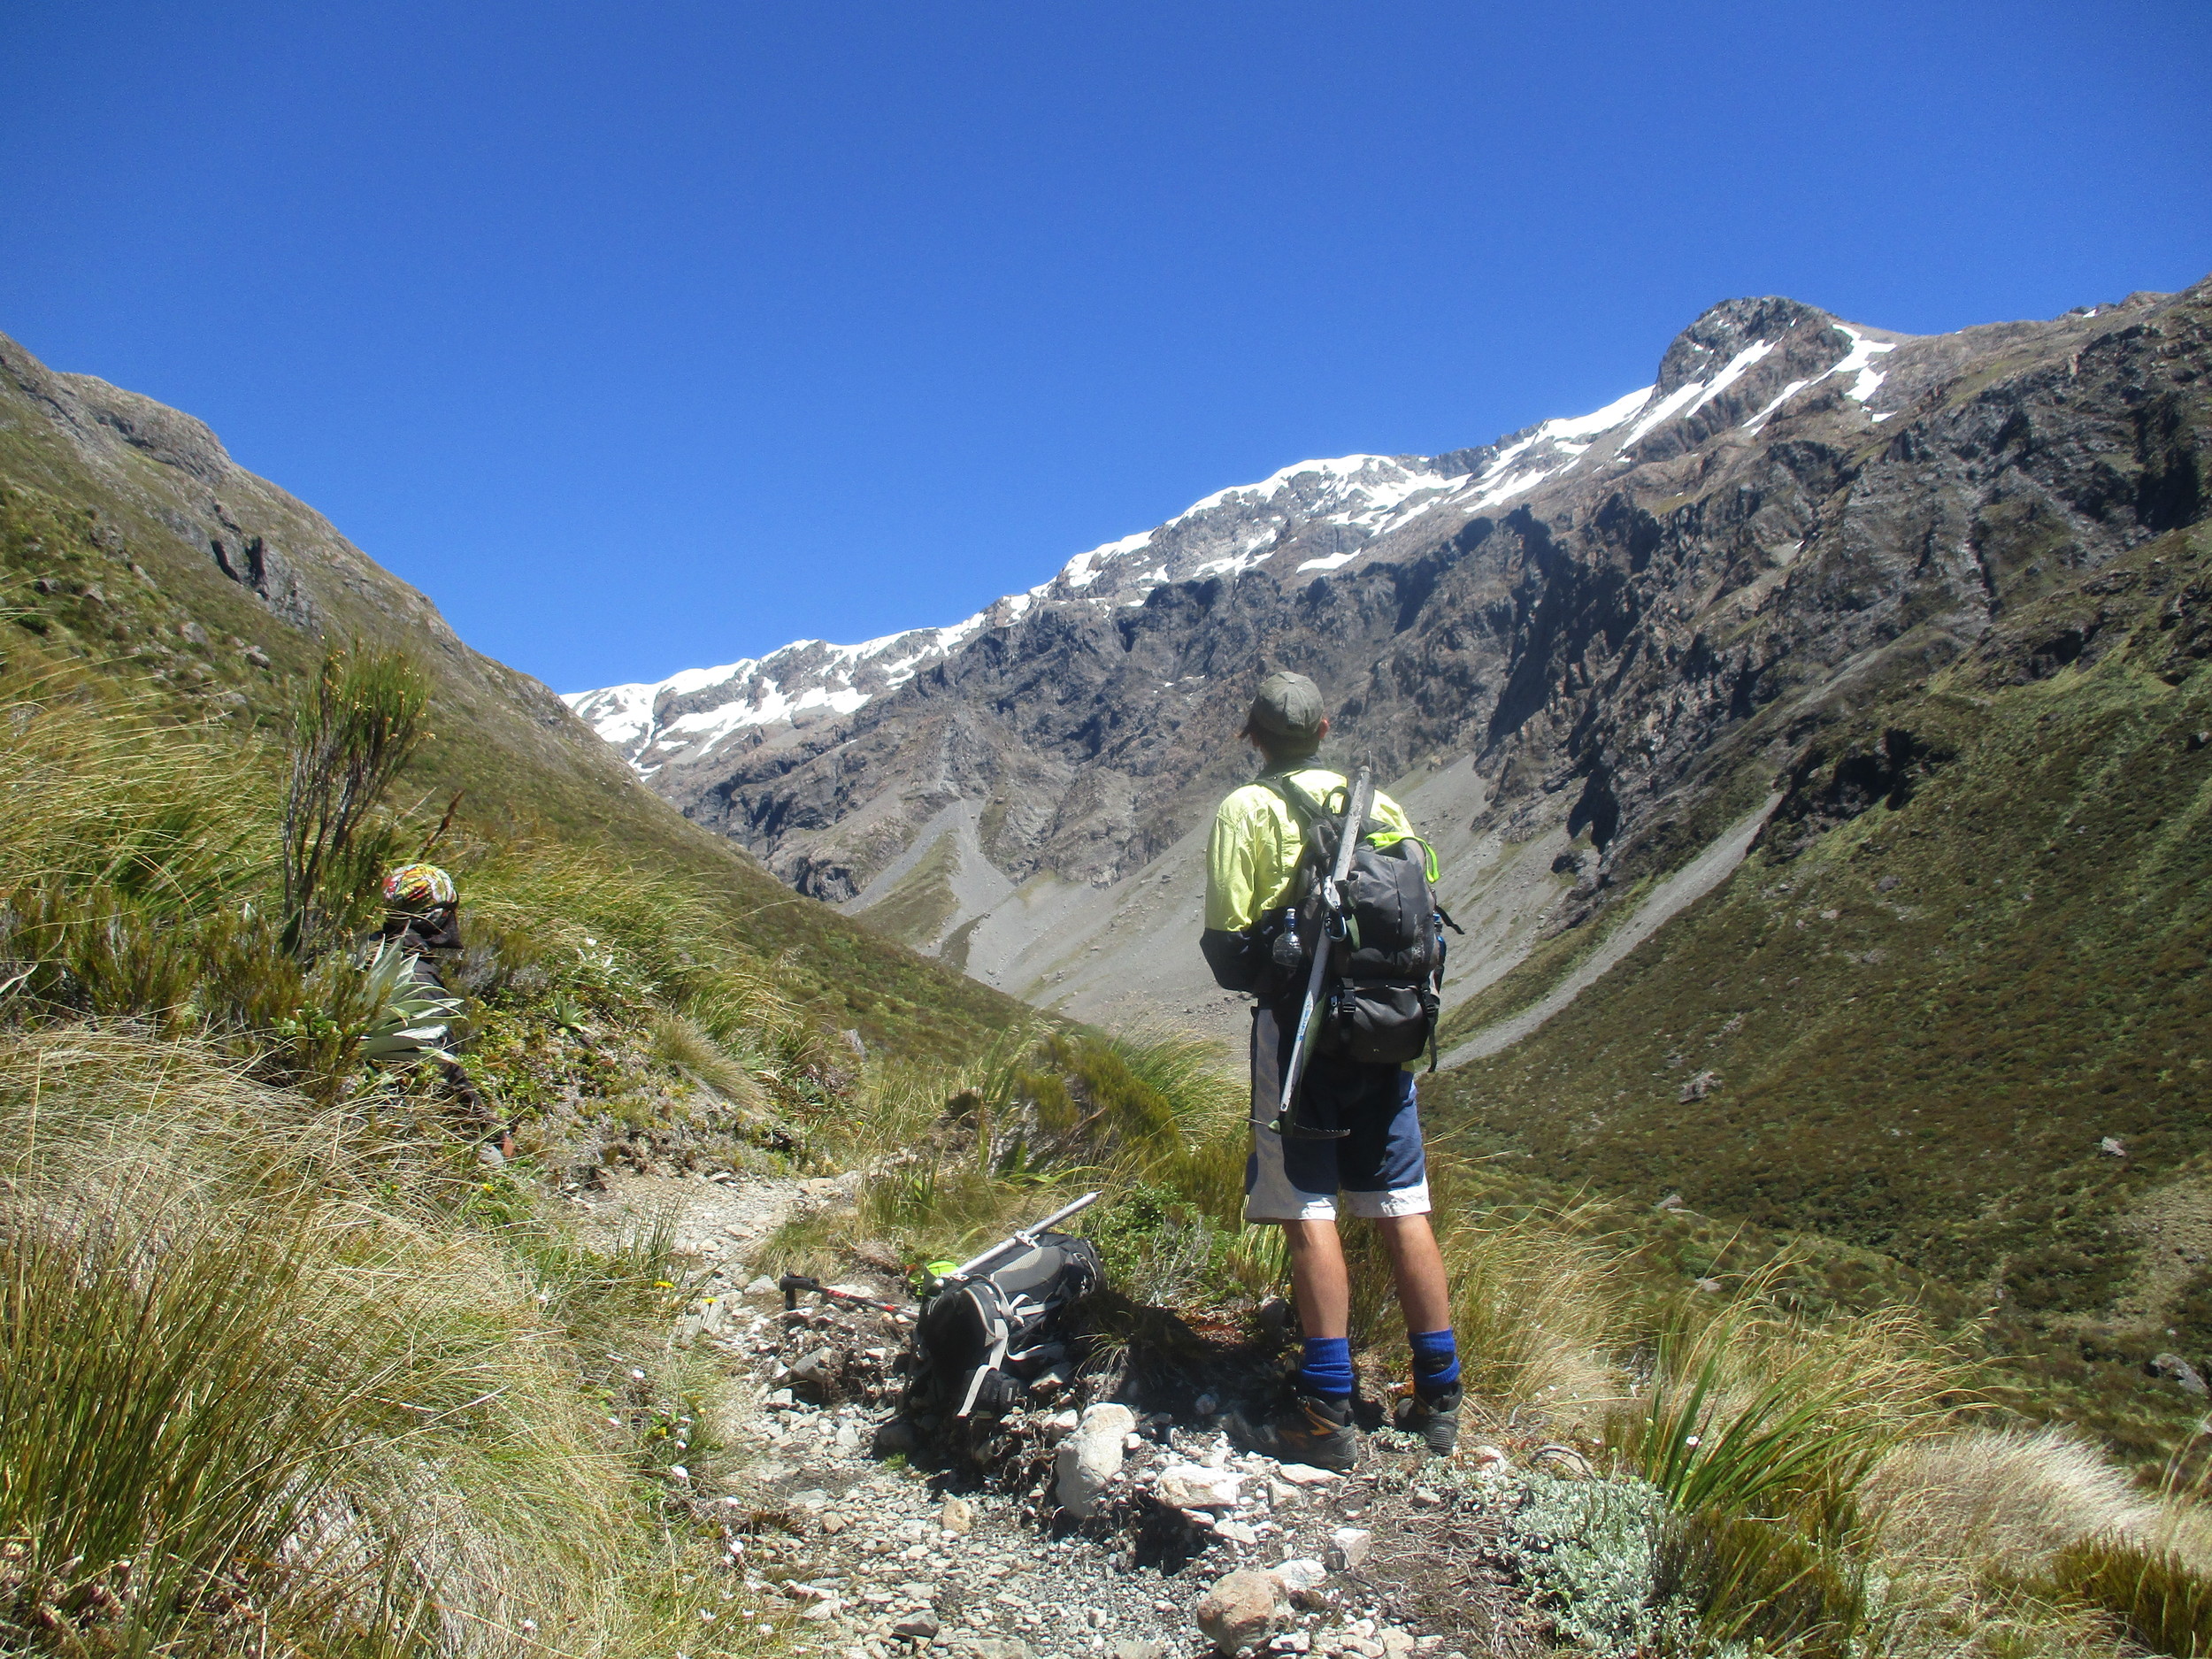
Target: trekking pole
1332	929
1026	1237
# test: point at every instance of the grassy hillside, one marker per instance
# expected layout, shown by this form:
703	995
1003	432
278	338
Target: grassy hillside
1954	1007
112	510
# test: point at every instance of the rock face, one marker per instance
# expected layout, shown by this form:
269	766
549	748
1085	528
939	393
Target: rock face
1556	647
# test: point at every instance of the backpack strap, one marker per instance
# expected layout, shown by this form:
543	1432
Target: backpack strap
1293	794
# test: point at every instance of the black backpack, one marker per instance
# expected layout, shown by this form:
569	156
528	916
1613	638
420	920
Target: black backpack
1387	974
984	1337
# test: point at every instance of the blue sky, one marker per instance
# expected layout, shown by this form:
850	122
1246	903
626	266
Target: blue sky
652	336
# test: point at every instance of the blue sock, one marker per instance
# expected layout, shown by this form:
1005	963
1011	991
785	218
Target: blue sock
1435	1361
1326	1369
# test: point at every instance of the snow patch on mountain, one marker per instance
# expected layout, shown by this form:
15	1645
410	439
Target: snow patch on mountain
1335	509
1858	363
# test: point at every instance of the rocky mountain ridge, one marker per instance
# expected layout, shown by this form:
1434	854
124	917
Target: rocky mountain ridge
1582	654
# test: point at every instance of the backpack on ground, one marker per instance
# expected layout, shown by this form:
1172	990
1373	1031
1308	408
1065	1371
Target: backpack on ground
986	1334
1387	972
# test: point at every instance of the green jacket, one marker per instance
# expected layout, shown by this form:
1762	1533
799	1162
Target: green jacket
1252	855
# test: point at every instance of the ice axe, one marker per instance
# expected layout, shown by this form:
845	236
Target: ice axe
1332	897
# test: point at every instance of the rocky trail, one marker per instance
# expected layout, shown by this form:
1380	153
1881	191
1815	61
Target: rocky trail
1185	1546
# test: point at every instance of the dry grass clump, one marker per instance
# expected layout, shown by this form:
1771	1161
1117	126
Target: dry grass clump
2024	1497
1536	1305
680	1042
100	791
2041	1529
250	1393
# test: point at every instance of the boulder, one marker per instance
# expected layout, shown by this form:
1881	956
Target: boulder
1090	1456
1242	1611
2180	1371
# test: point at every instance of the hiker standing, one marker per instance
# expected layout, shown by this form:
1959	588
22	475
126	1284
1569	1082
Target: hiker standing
1373	1159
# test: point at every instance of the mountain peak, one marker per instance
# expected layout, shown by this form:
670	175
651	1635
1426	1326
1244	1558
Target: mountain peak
1737	366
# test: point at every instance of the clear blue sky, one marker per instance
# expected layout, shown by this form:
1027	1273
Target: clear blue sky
649	336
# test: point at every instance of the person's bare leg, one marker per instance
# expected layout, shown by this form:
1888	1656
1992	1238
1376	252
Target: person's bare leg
1319	1278
1425	1295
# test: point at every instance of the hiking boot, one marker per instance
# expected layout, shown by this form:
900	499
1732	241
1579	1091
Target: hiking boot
1308	1429
1434	1417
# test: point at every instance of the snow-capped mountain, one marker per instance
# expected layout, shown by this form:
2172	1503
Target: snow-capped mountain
1313	516
1561	647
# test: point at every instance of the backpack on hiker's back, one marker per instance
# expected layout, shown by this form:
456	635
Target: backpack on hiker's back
1386	974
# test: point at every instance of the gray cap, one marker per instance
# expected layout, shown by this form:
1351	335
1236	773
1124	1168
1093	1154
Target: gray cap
1287	712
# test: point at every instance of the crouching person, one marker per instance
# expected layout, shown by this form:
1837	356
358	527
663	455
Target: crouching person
1372	1163
422	921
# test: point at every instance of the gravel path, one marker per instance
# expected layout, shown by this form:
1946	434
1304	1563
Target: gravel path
839	1552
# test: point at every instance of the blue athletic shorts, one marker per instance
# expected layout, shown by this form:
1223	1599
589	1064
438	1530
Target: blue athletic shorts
1378	1167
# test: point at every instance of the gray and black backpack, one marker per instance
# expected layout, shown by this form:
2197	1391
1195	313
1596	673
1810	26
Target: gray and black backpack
1387	974
984	1337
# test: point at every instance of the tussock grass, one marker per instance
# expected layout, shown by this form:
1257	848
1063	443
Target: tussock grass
1536	1305
101	791
1750	1414
682	1042
302	1408
959	1157
2018	1495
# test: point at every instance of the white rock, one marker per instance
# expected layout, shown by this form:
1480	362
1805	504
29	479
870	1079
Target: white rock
1302	1574
1236	1532
1196	1486
1306	1475
1488	1458
762	1286
1348	1547
1091	1456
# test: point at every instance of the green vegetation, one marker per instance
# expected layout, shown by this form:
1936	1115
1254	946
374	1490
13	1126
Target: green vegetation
95	578
283	1366
266	1386
1950	1014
